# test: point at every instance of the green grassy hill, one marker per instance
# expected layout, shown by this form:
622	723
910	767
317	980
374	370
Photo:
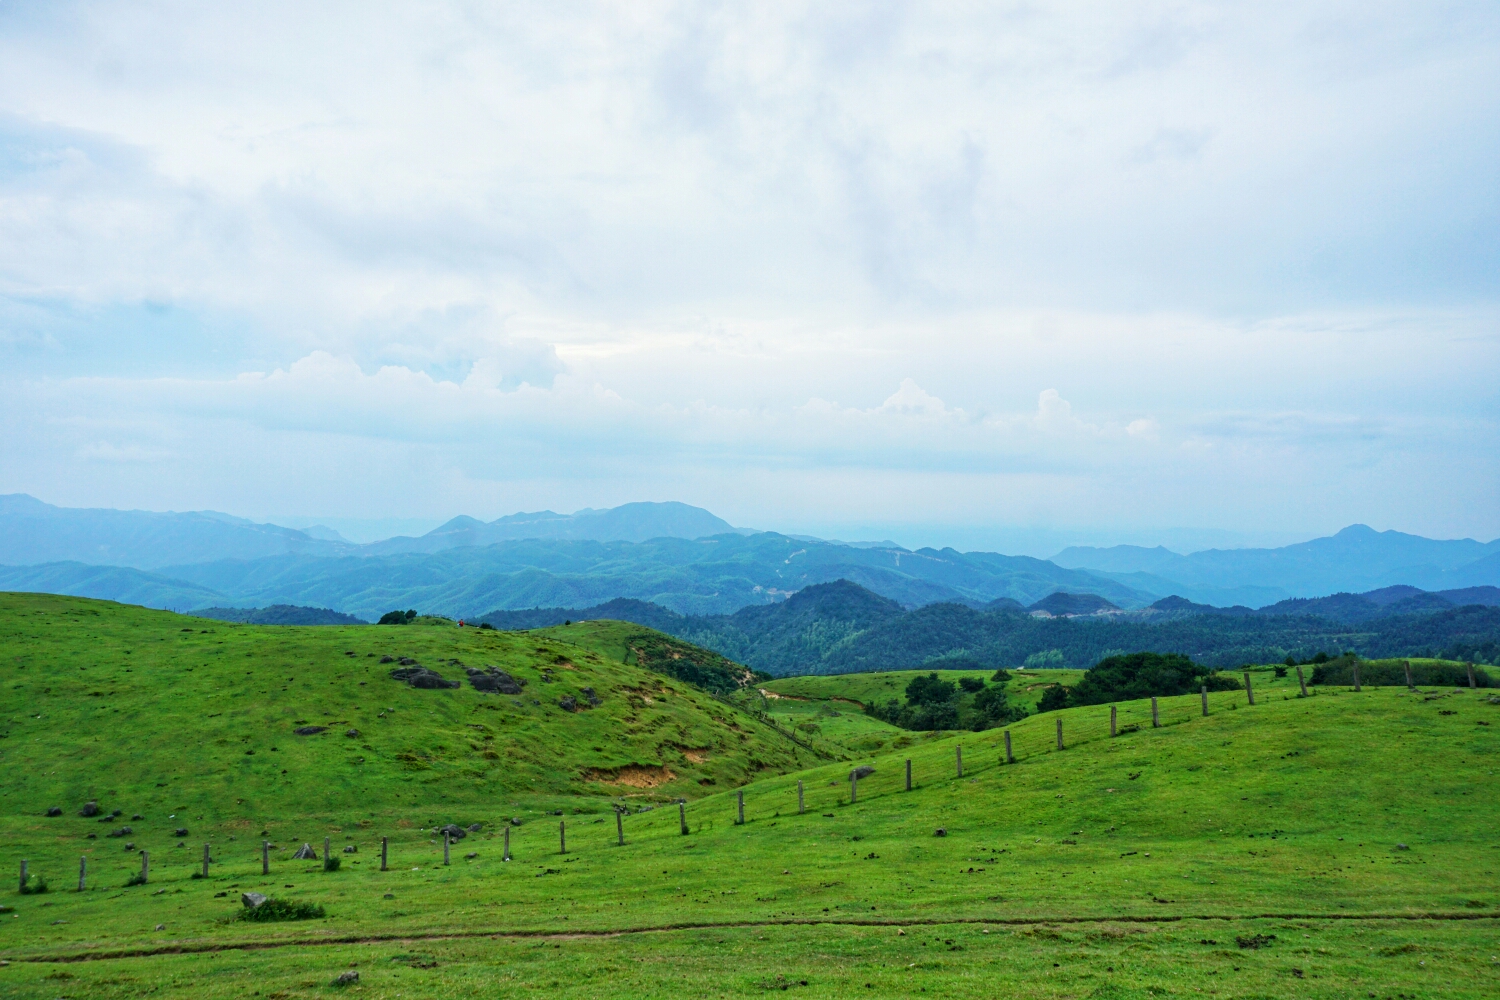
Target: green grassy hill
1332	846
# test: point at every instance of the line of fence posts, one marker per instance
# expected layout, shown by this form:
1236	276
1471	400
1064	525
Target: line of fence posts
908	779
23	876
385	847
1301	683
1010	758
619	828
1155	714
83	870
853	786
1059	731
959	752
1472	685
447	846
265	857
205	861
562	836
1113	718
1356	675
1203	690
1249	691
1409	685
505	851
145	866
740	821
682	809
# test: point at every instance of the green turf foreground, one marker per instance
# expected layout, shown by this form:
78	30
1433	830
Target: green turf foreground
1341	845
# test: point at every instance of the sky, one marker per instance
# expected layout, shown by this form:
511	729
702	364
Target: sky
1006	276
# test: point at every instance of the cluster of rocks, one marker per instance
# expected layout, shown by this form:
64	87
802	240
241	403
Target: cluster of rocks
494	679
418	676
456	832
571	704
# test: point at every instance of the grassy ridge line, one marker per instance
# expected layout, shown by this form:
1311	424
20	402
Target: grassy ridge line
252	944
986	814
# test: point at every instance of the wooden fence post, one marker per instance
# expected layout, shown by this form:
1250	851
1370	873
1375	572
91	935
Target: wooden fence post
23	875
1010	758
1113	730
741	820
447	844
265	857
682	810
505	851
1204	691
145	866
1356	675
908	774
1409	685
327	853
853	788
1059	732
1249	691
205	861
619	828
959	751
1472	684
83	870
562	836
1301	683
1155	714
385	846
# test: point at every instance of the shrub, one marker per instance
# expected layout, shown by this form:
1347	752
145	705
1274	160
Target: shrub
397	618
1130	676
280	909
136	879
971	684
34	885
1280	671
331	863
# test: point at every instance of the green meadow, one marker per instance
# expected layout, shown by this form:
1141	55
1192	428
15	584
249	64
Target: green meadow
1343	844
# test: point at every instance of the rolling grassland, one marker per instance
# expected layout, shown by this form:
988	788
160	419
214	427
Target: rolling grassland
1340	845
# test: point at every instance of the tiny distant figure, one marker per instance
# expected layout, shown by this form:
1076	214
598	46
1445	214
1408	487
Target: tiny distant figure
460	623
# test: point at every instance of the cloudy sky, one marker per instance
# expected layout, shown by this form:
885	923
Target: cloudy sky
993	275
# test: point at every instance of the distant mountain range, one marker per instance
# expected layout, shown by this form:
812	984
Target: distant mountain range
1356	559
841	627
680	557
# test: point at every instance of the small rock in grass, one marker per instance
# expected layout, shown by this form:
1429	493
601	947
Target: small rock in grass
940	832
515	821
387	659
1402	847
137	818
863	771
161	927
351	849
472	855
345	978
89	809
252	899
568	703
454	831
351	732
181	831
310	730
55	811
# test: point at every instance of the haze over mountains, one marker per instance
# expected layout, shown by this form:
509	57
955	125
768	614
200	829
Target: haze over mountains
682	558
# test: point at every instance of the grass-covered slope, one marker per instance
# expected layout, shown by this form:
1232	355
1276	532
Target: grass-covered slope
1351	836
156	713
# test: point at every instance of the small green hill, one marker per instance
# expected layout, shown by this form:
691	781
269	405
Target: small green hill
156	713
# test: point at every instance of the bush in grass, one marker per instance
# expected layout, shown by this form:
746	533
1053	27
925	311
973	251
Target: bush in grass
34	885
136	879
280	909
331	863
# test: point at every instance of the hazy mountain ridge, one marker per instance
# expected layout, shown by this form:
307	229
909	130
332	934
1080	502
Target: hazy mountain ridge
1358	558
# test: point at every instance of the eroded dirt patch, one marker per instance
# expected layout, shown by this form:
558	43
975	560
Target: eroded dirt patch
631	775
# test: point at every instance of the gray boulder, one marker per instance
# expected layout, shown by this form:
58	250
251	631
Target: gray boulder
252	899
494	679
310	730
863	771
419	676
305	853
89	809
454	831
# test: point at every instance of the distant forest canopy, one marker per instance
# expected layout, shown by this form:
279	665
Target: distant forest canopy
841	627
